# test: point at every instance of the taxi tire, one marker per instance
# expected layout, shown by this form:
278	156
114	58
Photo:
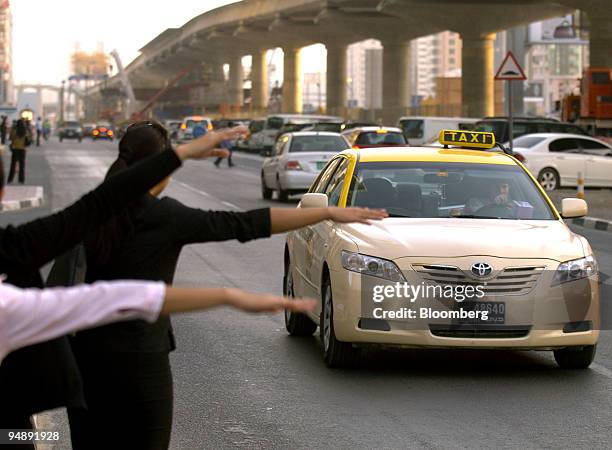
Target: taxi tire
338	354
551	175
296	324
266	192
575	357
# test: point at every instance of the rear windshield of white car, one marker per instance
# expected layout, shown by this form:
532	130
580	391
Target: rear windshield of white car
527	141
377	138
332	144
431	190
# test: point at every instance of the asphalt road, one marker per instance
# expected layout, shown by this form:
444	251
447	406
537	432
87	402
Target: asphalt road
241	382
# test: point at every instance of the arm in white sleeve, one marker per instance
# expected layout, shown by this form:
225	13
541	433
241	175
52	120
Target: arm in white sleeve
30	316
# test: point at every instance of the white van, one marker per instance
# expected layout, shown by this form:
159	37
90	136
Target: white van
266	137
421	130
189	123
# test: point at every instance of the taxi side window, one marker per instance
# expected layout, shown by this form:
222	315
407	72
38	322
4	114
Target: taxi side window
565	145
321	183
334	188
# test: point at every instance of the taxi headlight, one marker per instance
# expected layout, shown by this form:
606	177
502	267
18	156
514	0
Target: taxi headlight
369	265
575	270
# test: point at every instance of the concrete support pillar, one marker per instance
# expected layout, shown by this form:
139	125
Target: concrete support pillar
600	37
396	80
477	60
336	83
259	80
292	80
236	82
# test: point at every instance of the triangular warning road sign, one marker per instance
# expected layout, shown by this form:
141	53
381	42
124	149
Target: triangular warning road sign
510	69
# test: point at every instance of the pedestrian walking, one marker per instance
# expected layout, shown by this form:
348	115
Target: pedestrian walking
46	129
229	147
39	130
19	140
3	129
125	367
44	376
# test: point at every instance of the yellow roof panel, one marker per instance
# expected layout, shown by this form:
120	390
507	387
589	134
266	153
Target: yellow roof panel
432	154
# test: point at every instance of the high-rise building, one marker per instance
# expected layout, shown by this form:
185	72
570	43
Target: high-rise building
356	68
6	54
437	55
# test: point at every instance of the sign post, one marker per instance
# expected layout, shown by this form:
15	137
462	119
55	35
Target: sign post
510	70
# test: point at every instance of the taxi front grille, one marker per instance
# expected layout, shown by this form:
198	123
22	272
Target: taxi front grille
509	281
479	332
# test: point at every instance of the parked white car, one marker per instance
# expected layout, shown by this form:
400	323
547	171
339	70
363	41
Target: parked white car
296	160
555	159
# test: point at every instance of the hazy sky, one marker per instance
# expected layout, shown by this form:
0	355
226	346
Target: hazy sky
45	31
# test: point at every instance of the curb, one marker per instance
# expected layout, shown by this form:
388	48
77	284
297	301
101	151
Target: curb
594	223
30	202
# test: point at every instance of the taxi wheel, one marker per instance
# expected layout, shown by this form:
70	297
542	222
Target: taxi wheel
266	192
575	357
336	354
297	324
549	179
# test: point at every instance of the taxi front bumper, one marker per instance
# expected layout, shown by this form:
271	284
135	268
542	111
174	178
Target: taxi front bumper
553	311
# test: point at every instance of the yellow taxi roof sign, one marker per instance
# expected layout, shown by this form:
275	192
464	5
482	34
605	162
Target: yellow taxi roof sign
468	139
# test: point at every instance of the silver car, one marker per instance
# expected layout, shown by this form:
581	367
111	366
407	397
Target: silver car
296	160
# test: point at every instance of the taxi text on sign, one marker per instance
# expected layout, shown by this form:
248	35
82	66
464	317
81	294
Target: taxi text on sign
469	139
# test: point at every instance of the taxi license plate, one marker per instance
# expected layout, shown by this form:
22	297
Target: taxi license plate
496	312
321	164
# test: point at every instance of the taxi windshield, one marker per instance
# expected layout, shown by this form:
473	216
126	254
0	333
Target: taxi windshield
452	190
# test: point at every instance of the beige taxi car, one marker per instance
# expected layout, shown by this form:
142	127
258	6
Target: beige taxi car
473	255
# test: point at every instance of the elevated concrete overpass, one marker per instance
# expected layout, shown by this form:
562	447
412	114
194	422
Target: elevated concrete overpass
225	34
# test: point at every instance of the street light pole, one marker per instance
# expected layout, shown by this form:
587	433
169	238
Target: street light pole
61	102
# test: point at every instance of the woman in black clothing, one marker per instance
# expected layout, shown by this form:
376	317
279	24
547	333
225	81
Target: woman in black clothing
125	367
44	376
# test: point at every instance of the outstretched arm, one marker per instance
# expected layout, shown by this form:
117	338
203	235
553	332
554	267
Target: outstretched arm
285	219
30	316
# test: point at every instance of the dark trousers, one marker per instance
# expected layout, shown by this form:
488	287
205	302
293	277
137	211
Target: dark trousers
17	157
229	160
129	402
38	133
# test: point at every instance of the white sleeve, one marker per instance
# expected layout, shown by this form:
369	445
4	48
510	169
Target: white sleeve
29	316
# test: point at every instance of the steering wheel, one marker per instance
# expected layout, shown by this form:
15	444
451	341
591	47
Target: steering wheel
501	211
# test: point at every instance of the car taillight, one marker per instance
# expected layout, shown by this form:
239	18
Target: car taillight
356	147
95	132
520	157
110	132
210	126
183	126
293	165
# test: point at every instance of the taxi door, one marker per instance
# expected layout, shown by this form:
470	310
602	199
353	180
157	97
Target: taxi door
323	232
303	239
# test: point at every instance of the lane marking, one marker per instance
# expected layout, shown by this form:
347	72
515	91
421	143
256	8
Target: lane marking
601	370
206	194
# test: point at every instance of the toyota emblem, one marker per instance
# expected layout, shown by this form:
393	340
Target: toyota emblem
482	269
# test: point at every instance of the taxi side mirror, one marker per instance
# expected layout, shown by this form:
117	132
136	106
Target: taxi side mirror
573	207
314	200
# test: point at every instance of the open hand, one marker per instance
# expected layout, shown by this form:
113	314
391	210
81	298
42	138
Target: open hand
361	215
259	303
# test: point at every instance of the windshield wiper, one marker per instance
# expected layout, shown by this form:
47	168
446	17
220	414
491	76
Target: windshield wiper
399	215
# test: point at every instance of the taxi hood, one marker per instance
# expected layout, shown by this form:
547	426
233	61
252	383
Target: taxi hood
393	238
